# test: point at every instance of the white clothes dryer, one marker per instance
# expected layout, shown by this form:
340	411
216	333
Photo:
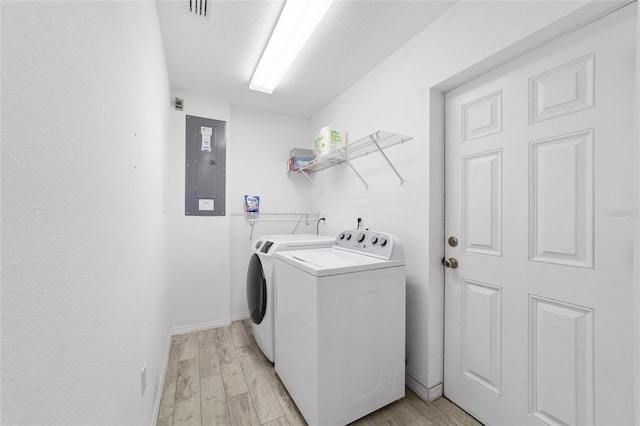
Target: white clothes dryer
261	281
340	326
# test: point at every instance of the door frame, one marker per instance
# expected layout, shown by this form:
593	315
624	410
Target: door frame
571	23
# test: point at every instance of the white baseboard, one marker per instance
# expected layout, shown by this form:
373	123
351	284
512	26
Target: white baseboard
436	392
240	316
182	329
428	394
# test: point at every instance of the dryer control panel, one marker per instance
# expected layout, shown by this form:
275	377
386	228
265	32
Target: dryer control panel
373	243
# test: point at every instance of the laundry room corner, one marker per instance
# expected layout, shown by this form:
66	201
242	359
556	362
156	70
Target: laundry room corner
258	166
209	255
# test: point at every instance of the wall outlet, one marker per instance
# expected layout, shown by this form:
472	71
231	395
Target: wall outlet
143	379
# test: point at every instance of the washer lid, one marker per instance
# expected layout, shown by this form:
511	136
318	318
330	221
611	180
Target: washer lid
331	261
278	238
273	243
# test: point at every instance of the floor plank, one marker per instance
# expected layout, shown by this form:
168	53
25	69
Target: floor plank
366	421
220	377
207	355
165	422
239	334
407	414
232	376
393	422
380	416
455	414
264	398
429	409
280	421
187	406
189	346
241	410
213	401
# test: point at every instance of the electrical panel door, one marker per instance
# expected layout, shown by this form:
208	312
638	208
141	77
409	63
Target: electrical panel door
205	167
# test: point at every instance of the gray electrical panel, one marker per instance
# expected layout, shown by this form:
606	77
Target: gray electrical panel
205	166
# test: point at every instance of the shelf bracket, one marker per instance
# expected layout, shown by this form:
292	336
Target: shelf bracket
252	223
303	217
387	159
344	157
311	180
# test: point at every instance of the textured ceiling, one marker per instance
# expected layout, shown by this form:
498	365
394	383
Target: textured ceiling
216	57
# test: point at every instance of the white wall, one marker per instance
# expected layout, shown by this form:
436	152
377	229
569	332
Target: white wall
208	255
84	289
198	245
397	96
257	164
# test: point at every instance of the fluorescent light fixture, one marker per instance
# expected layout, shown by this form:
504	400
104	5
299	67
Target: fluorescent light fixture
297	22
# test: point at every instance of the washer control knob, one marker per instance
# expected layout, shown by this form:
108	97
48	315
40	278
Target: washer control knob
383	241
360	237
341	236
347	236
374	239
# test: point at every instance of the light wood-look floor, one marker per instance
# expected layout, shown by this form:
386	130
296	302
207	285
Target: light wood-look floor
220	377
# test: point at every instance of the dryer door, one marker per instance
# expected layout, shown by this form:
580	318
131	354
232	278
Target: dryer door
256	290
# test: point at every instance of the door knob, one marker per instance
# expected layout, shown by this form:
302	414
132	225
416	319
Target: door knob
450	263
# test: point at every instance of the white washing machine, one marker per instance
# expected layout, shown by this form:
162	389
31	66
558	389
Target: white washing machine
340	326
261	281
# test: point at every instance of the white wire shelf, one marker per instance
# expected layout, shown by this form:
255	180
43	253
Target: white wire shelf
375	142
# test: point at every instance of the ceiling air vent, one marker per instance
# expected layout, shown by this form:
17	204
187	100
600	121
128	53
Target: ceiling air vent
200	8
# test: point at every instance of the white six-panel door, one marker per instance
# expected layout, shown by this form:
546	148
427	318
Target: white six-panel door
538	314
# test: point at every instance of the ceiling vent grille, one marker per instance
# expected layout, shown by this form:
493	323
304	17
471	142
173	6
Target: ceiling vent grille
199	8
